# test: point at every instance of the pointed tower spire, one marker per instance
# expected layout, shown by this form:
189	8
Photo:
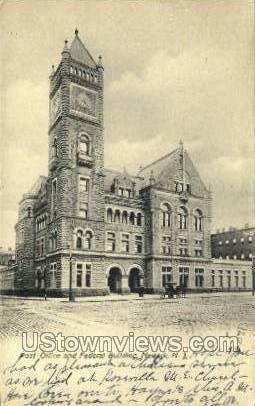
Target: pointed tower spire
182	155
79	52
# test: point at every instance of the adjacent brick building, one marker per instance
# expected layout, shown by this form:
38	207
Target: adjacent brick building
234	244
118	231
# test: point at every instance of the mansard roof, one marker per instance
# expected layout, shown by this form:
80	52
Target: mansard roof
166	171
80	53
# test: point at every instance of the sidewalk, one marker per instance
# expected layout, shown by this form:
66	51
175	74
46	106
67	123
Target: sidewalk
114	297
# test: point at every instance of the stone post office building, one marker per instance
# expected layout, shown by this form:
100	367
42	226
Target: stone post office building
118	231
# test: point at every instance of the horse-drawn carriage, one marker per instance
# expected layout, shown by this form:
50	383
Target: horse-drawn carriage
172	290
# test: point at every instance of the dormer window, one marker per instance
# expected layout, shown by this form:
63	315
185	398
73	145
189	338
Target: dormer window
120	191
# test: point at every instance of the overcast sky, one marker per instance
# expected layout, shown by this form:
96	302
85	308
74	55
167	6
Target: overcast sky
173	70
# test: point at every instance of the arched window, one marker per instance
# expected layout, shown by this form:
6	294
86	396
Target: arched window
117	216
166	215
139	219
124	217
132	218
84	145
109	215
182	218
29	211
88	240
198	220
79	237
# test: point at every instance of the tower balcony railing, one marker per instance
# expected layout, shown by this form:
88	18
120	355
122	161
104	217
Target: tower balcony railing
83	159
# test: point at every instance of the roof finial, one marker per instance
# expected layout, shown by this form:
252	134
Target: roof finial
152	178
76	31
181	144
99	63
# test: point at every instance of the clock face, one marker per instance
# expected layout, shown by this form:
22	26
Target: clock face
83	101
55	106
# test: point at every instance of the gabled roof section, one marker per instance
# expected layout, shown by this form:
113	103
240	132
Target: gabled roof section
80	53
171	168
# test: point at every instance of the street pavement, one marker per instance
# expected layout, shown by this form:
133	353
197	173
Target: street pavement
197	312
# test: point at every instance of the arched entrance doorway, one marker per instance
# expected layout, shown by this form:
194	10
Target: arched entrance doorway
135	279
114	280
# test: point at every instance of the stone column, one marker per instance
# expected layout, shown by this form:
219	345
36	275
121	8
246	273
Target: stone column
124	285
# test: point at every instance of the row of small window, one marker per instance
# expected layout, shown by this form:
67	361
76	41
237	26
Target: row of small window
84	241
180	187
124	243
41	222
242	256
167	213
124	217
237	280
199	278
40	245
124	192
234	241
167	276
88	76
82	278
182	252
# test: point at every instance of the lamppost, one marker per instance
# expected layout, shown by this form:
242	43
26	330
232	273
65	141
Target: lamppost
71	293
45	282
253	276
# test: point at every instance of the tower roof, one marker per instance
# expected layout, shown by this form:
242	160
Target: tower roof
80	53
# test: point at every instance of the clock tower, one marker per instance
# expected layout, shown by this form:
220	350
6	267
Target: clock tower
76	155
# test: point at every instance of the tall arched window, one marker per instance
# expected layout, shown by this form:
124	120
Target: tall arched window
79	237
88	240
139	219
132	218
109	215
84	145
182	218
198	220
124	217
117	216
29	211
166	215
